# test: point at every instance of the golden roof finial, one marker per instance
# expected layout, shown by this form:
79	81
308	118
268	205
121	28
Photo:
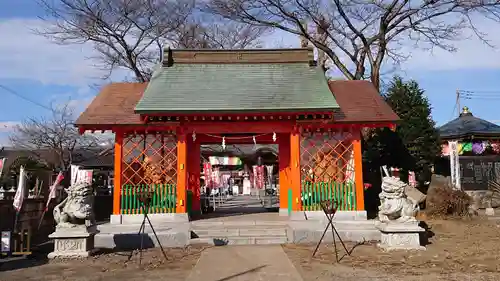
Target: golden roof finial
465	110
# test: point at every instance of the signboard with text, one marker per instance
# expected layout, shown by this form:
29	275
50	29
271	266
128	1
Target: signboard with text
5	242
479	172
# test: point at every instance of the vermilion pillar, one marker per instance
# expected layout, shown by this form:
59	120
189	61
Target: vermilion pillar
181	172
295	170
117	172
358	170
284	168
193	173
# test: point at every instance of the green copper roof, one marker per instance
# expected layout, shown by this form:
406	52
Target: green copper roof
190	88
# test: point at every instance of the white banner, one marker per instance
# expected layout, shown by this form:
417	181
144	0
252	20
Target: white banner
74	173
2	163
454	164
270	175
21	190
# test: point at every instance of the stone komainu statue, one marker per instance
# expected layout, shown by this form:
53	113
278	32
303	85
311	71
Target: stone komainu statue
395	206
77	208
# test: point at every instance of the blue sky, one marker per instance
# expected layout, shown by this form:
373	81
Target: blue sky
49	73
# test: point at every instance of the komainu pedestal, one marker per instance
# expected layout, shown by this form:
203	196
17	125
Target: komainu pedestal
400	236
397	224
72	243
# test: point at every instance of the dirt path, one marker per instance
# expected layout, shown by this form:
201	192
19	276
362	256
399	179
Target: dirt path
244	263
459	250
109	267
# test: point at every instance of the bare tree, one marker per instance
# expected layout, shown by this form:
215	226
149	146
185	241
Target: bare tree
362	34
218	34
53	140
129	34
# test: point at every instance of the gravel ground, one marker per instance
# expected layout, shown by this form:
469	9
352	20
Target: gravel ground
458	250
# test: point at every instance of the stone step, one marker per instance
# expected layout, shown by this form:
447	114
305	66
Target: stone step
134	228
228	223
133	241
240	232
339	225
126	236
261	240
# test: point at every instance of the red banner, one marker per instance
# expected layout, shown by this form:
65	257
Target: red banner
207	171
260	177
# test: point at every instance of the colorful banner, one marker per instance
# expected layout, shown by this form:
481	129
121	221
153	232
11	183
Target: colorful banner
227	161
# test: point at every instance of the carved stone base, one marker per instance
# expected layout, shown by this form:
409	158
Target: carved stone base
400	236
72	243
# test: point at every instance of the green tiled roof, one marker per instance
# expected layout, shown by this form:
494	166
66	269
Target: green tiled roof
261	87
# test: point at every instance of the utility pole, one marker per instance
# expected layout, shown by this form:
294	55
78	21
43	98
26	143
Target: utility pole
458	102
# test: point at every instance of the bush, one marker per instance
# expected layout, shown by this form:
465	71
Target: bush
445	201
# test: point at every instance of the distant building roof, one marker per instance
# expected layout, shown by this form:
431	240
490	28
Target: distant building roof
467	126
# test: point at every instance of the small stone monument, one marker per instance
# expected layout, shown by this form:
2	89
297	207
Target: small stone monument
397	223
76	226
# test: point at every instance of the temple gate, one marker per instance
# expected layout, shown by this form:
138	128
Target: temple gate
204	96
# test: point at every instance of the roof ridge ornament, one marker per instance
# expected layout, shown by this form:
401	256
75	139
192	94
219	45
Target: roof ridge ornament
167	57
465	112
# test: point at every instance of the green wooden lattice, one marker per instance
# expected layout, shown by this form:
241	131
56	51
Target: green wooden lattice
163	201
312	193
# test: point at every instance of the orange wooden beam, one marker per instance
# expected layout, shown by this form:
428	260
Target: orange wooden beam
240	127
278	126
295	170
358	171
193	172
117	173
284	168
181	172
217	139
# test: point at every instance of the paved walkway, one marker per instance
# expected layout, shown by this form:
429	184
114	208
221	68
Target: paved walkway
244	263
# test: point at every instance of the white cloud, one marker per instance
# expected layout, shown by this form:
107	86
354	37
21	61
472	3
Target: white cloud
8	126
30	56
472	53
79	105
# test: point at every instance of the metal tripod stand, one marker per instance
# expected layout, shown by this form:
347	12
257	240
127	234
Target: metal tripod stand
330	208
145	200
